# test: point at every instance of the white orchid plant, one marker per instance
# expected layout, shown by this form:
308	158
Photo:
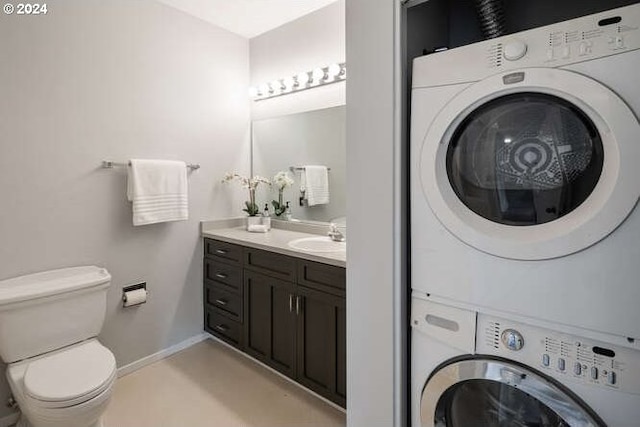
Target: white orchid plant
251	184
281	180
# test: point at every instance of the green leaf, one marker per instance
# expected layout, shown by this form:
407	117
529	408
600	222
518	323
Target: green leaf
251	208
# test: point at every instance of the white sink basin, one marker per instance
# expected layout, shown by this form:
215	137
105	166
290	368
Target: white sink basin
320	244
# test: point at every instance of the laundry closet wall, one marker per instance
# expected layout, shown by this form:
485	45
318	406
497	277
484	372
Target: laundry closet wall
94	80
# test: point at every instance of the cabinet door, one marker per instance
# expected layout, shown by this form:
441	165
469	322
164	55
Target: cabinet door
270	321
322	344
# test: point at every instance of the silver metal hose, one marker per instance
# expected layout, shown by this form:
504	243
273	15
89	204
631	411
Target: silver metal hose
491	16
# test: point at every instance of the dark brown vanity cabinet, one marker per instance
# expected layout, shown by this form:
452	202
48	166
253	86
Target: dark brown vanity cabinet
321	344
223	305
270	327
293	316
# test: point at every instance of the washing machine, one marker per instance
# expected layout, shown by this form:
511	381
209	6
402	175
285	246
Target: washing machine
525	174
476	369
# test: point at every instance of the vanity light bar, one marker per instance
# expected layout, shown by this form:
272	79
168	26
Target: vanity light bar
307	80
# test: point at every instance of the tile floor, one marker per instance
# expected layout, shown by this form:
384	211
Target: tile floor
209	384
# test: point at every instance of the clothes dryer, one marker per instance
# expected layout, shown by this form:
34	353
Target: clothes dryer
525	173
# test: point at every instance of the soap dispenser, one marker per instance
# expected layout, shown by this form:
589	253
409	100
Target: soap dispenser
287	212
266	218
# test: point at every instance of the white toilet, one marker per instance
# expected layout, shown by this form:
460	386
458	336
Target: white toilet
59	373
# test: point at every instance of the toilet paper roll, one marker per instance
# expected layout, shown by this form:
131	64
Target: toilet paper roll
135	297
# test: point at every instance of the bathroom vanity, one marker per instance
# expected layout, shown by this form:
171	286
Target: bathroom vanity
284	307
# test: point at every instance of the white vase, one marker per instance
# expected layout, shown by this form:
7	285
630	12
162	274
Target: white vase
253	220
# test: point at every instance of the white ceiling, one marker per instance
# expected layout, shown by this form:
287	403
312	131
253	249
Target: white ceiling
248	18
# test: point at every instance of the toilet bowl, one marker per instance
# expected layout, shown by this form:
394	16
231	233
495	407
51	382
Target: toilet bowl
70	387
59	373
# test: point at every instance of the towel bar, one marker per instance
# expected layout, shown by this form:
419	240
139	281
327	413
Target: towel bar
300	168
107	164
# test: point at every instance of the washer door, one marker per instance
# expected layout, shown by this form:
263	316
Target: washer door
532	165
497	393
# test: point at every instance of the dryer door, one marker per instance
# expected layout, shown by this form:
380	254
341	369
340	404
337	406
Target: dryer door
495	393
530	165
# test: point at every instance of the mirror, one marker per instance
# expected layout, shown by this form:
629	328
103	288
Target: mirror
311	138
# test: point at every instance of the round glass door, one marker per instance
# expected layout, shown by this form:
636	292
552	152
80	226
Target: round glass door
489	403
532	170
497	393
525	159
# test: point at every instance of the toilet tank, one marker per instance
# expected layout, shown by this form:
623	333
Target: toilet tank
45	311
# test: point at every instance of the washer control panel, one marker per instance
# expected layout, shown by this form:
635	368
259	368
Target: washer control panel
560	355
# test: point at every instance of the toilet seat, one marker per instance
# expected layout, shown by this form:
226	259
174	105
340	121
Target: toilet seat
71	376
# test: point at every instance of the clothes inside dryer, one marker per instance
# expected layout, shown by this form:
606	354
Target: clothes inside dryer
525	159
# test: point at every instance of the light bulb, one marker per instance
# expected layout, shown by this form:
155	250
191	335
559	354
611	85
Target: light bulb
318	75
276	86
253	92
334	71
303	79
289	83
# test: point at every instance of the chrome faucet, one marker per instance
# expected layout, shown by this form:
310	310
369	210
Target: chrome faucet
335	234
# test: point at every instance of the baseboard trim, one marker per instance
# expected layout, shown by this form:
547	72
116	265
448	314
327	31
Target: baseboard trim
9	420
300	386
162	354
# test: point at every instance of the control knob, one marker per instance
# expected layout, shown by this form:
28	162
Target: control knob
515	50
512	339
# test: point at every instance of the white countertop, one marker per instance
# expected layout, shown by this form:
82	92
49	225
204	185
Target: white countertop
276	240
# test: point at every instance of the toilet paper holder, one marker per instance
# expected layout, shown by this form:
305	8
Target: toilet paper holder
131	288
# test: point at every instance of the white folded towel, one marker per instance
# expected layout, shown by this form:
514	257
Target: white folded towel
257	228
158	190
316	183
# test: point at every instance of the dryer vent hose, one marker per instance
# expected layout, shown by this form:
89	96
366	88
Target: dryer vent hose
491	15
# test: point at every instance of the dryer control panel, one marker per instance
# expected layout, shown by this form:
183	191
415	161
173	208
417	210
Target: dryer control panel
582	39
561	356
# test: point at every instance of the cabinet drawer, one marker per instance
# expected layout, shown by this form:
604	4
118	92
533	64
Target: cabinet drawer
223	250
226	276
228	303
271	264
323	277
223	327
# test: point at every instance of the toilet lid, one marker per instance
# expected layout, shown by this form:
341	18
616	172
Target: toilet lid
70	374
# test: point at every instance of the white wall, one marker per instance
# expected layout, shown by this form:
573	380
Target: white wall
314	40
374	214
117	79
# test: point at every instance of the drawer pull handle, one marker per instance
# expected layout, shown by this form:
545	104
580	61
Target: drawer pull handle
297	304
290	303
221	251
222	328
221	276
221	302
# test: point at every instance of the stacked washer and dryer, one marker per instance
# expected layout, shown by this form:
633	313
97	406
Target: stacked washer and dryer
525	175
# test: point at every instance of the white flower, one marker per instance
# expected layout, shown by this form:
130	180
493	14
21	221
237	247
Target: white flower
253	183
282	180
245	182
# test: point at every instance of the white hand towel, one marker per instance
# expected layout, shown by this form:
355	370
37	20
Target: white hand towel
158	190
317	184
